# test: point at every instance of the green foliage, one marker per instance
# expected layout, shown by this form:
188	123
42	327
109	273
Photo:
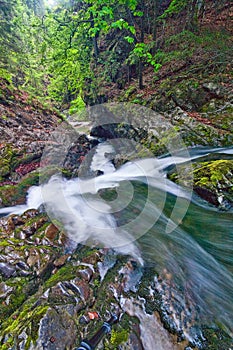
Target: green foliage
77	106
141	51
175	7
54	52
5	74
16	194
122	24
129	39
185	37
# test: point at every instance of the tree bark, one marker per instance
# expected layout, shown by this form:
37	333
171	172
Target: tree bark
155	24
95	43
140	65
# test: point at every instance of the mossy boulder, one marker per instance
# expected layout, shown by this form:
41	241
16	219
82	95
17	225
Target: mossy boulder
212	180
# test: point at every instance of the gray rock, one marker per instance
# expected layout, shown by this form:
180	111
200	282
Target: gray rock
57	330
7	270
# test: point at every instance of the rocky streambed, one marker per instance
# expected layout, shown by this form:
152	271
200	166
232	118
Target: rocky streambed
54	293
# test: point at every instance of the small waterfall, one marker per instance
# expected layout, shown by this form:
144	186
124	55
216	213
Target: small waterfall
155	220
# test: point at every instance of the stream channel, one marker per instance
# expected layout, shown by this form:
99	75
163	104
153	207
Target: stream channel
137	211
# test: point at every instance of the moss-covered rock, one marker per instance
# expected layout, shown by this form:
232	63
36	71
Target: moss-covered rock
212	180
7	156
12	194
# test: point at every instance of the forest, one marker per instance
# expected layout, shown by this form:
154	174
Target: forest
116	174
68	51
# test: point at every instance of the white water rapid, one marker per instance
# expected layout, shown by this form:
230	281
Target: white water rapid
153	220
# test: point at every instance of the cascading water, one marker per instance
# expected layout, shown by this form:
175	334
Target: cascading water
195	252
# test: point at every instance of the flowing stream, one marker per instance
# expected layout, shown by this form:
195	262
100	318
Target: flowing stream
137	211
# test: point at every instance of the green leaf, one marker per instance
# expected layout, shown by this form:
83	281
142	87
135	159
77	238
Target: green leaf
129	39
132	29
138	13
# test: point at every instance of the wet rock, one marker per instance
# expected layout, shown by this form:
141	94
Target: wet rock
7	226
51	231
60	294
135	342
22	265
34	257
29	231
61	260
132	274
46	267
20	235
85	274
83	288
75	155
7	270
10	224
29	214
57	330
108	262
18	220
4	289
213	88
67	243
84	320
93	258
40	222
207	195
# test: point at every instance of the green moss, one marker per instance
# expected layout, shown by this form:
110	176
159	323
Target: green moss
5	160
17	298
4	243
119	337
215	176
16	194
34	219
28	319
66	272
37	314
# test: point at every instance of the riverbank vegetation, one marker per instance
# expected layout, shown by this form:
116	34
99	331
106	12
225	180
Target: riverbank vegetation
86	51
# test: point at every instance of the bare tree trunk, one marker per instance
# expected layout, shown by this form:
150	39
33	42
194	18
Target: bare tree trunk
155	20
155	24
95	43
140	65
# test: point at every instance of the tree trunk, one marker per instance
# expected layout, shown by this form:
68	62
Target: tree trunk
95	43
140	65
155	24
140	75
